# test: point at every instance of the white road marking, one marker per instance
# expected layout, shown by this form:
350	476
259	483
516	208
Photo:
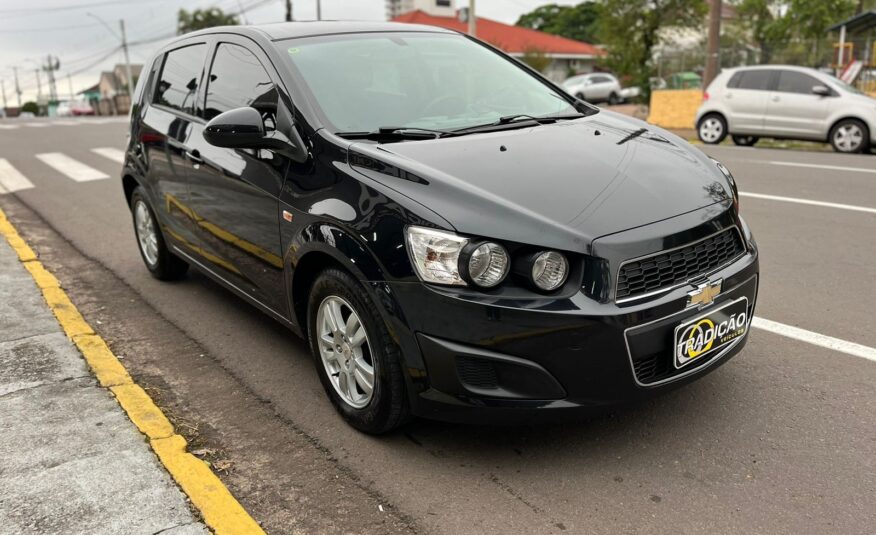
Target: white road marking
113	154
36	125
74	169
11	179
811	202
8	126
829	342
65	122
819	166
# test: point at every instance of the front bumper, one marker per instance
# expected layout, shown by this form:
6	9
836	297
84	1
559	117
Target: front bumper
472	360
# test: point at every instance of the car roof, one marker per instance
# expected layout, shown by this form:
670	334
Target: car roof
766	67
290	30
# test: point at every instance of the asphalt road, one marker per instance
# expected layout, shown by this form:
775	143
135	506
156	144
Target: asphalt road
780	440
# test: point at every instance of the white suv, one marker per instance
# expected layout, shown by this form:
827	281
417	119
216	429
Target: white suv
595	87
786	102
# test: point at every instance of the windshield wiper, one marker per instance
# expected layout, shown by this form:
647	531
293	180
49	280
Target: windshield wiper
516	119
385	133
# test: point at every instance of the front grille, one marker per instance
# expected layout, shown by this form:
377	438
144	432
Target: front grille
669	268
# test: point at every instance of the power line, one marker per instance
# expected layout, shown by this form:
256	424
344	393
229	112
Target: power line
20	12
50	29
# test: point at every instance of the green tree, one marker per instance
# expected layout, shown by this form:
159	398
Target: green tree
580	22
189	21
630	30
765	31
31	106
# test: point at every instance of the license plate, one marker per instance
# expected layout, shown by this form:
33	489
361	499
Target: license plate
696	338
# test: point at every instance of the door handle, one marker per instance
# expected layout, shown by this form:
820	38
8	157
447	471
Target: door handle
194	156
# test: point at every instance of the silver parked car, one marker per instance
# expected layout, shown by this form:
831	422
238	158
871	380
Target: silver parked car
595	87
786	102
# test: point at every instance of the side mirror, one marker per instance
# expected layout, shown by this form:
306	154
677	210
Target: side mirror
240	128
243	128
821	90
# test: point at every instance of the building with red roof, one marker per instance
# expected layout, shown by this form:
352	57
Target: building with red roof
567	55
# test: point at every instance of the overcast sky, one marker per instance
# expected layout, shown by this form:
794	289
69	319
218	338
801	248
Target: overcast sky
69	30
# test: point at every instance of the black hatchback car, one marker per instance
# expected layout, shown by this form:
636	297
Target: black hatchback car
455	236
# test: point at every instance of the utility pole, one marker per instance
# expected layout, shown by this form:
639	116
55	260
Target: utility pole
472	19
714	46
17	87
39	85
318	10
70	86
127	60
3	88
288	10
51	67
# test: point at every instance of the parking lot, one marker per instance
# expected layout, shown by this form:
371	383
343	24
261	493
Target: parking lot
782	439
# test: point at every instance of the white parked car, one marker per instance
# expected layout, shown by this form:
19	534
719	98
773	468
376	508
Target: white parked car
594	87
786	102
64	109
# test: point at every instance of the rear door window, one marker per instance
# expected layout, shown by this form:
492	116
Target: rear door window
238	79
755	79
796	82
177	86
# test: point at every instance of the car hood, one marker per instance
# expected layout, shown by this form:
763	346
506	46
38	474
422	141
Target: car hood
561	185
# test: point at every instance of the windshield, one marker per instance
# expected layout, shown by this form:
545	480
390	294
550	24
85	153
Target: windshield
416	80
842	85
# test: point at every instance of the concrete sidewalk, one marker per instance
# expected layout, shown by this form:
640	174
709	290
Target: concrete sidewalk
70	459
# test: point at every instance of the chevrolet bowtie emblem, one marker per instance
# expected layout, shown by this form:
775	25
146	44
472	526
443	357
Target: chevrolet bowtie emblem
705	293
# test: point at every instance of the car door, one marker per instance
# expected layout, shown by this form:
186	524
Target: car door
746	98
794	110
600	88
233	193
165	129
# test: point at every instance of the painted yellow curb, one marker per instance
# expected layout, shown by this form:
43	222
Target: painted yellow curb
221	511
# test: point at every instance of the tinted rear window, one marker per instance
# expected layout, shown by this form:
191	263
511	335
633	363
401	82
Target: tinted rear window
755	79
796	82
177	87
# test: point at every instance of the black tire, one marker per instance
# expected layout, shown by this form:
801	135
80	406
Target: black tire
580	96
388	407
166	266
745	141
614	99
840	145
712	129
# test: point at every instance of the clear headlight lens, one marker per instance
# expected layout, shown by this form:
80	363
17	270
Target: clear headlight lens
435	255
488	264
549	270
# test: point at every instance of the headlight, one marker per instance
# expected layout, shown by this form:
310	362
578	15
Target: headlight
549	270
729	175
485	264
435	255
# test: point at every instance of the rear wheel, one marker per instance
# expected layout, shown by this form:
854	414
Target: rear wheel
712	129
850	135
358	363
614	98
580	96
745	141
160	262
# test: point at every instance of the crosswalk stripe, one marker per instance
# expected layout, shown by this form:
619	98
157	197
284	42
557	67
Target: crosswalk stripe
74	169
113	154
8	126
36	125
11	179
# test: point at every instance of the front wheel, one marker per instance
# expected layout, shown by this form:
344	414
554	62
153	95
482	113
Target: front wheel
850	136
358	363
745	141
614	99
161	263
712	129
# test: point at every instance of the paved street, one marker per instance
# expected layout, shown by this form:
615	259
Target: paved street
780	440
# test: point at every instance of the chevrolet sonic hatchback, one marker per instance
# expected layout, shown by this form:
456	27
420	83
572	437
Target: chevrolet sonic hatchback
455	236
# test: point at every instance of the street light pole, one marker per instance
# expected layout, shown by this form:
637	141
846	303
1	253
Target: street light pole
17	87
714	46
318	10
127	61
472	19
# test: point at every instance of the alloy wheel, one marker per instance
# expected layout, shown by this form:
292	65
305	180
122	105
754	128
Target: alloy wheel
345	351
711	130
146	234
848	138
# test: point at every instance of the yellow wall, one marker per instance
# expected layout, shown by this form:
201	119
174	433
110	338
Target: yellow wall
674	108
